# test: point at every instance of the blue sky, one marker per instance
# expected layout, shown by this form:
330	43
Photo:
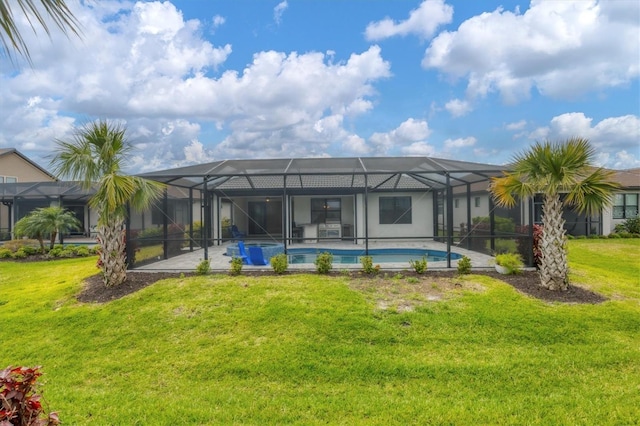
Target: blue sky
197	81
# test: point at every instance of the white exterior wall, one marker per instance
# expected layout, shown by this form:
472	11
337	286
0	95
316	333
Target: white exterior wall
460	213
421	217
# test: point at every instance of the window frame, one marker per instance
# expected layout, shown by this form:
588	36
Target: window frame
622	210
397	215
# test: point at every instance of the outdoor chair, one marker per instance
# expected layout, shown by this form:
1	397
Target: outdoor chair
257	256
243	253
236	234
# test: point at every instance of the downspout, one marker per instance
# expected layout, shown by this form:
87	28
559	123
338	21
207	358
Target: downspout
285	214
127	238
492	224
190	219
467	239
165	224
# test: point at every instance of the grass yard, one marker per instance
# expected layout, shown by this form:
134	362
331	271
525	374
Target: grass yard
309	349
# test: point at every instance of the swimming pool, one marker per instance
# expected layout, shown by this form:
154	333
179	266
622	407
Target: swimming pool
390	255
268	249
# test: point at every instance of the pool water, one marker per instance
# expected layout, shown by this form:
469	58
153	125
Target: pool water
297	256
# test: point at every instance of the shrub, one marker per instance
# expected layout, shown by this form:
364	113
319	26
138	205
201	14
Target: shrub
82	251
614	236
324	262
279	263
464	265
236	266
367	265
56	252
14	245
512	262
5	253
19	254
420	265
203	267
632	225
20	403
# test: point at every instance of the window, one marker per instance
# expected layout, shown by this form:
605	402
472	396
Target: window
325	210
456	203
625	206
477	201
395	210
8	179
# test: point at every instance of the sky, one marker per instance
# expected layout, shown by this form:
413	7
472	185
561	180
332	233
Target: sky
199	81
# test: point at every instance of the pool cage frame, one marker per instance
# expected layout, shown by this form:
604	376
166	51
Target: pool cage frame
207	186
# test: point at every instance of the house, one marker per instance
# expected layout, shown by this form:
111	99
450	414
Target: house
17	169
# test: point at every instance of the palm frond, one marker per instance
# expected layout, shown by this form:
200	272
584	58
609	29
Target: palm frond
56	10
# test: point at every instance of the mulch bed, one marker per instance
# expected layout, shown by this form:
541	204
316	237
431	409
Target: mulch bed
528	283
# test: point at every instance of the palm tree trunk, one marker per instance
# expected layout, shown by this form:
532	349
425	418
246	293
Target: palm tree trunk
112	259
553	265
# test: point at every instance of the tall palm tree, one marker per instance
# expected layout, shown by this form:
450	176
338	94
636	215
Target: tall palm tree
552	169
96	155
47	221
57	10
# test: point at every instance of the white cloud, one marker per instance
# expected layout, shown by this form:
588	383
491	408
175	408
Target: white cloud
423	22
455	144
279	10
562	48
355	145
154	69
615	138
218	21
419	149
409	132
458	108
516	126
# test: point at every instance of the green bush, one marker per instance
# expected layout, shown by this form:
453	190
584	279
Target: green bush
464	265
324	262
511	261
19	254
82	251
5	253
367	265
279	263
420	265
236	266
203	267
614	236
56	252
632	225
14	245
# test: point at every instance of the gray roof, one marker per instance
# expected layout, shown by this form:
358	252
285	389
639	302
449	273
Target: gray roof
379	173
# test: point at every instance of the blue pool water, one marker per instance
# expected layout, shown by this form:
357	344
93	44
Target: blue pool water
396	255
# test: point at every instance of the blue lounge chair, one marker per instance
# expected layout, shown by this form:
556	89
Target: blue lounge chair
243	253
236	234
257	256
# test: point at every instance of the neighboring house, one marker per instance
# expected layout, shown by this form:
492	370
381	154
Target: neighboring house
16	169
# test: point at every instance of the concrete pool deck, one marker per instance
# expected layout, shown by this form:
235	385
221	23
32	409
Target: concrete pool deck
188	261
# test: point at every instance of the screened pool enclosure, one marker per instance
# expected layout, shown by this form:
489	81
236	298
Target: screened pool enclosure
308	202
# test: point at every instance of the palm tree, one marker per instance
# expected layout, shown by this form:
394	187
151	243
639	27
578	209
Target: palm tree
57	10
552	169
96	155
46	221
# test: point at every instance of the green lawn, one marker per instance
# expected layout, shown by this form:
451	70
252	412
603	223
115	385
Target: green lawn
308	349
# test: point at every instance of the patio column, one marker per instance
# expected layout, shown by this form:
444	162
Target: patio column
366	215
127	238
285	214
190	219
468	227
165	224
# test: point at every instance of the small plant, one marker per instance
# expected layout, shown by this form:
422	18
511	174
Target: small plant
5	253
420	265
203	267
367	265
464	265
324	262
19	402
511	262
236	266
279	263
413	280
